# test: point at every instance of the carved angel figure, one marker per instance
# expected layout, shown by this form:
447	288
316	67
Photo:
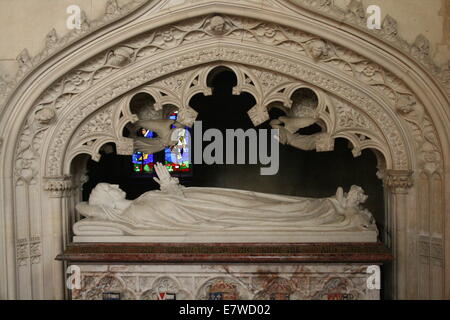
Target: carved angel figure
217	25
287	128
318	49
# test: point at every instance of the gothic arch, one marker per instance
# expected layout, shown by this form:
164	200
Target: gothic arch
383	95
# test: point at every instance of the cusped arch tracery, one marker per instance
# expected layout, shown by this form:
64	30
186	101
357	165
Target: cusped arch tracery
340	118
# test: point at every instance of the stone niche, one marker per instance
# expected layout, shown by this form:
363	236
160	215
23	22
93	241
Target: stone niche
226	272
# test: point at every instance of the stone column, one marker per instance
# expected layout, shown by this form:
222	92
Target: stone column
59	191
399	182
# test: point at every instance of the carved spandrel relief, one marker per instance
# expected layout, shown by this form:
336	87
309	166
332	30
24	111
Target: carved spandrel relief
101	127
99	123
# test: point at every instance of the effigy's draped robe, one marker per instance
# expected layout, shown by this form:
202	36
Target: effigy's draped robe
220	209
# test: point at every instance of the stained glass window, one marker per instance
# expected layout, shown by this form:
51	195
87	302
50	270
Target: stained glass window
143	162
176	158
180	151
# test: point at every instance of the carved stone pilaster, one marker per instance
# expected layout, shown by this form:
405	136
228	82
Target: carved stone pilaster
58	187
399	181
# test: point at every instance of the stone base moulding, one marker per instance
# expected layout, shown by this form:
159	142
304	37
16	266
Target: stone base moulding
113	235
225	271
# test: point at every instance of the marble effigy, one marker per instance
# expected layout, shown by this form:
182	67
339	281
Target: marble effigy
179	214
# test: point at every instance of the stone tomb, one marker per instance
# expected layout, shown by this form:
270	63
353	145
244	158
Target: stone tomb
345	271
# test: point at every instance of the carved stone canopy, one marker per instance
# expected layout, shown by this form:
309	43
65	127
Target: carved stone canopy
146	58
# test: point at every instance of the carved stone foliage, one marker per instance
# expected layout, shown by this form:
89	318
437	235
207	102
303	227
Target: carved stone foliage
58	187
358	127
424	133
103	126
28	148
399	181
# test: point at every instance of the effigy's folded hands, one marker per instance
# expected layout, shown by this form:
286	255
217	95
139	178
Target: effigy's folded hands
166	182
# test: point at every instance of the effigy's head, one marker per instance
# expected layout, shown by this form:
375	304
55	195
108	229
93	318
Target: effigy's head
105	194
356	196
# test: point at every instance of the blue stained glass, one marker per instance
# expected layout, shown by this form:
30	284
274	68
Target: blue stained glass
148	134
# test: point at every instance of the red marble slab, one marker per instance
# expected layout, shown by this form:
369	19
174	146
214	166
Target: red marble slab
225	253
